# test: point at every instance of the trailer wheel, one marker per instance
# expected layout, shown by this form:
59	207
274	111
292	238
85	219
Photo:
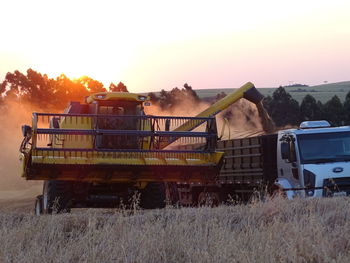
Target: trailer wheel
56	197
153	196
38	209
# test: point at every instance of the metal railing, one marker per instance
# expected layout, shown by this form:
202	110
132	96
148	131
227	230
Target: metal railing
120	132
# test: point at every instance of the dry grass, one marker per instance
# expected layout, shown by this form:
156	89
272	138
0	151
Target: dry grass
277	230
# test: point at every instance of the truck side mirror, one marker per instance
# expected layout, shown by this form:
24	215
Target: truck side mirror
285	150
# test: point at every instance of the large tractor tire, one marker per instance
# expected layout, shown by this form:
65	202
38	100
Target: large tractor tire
153	196
56	197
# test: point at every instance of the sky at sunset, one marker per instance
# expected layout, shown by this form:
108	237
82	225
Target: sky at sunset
154	45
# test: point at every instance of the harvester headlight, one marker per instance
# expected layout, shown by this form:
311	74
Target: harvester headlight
101	96
143	98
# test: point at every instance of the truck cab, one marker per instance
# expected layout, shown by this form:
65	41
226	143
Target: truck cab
314	160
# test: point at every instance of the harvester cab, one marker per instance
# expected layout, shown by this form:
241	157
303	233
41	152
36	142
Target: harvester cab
97	153
115	106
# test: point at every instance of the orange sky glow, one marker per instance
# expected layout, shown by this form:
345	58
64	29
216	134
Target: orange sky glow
154	45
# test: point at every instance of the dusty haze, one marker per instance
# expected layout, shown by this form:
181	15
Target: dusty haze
244	118
12	185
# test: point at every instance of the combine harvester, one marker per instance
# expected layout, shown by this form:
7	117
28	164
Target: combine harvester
97	154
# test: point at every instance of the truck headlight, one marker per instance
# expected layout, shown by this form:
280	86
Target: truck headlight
309	182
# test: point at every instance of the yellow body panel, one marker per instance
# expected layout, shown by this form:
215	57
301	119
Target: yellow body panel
77	123
124	158
149	166
146	126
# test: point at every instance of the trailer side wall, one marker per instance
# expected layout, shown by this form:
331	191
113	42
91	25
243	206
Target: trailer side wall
250	164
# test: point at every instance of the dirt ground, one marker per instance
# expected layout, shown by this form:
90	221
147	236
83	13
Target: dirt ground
19	200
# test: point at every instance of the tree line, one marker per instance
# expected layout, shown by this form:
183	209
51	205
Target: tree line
285	110
51	94
46	93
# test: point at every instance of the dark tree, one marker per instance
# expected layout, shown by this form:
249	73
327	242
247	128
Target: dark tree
309	109
165	99
191	93
118	88
267	103
283	109
346	109
69	90
91	85
333	111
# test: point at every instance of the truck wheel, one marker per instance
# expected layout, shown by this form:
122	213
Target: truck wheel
56	196
153	196
38	210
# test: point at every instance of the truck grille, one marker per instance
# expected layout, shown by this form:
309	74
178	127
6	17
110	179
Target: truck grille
336	186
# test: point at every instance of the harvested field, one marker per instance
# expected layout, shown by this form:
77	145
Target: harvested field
279	230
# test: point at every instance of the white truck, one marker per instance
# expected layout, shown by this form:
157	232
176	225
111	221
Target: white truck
314	160
310	161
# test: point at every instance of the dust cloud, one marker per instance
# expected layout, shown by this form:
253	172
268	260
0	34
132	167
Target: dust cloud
241	119
14	115
188	107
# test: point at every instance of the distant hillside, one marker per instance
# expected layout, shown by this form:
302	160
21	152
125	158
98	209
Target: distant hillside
320	92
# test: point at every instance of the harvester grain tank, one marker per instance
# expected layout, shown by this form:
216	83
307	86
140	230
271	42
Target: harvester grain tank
98	153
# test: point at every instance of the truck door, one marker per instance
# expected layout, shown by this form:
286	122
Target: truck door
289	163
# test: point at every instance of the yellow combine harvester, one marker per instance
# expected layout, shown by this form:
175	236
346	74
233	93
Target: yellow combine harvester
98	153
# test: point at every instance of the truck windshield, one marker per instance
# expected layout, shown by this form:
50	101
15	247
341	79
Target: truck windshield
324	147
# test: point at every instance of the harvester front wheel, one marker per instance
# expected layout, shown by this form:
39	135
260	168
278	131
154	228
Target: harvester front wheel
153	196
56	196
